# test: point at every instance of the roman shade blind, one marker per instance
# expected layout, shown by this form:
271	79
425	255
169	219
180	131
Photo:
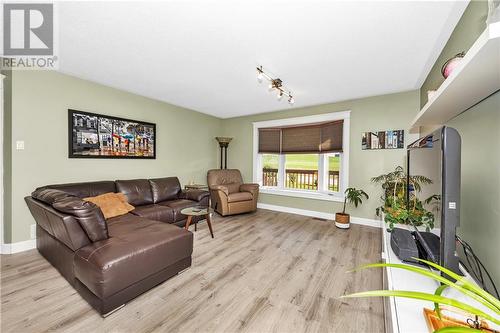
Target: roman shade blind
304	139
270	140
331	137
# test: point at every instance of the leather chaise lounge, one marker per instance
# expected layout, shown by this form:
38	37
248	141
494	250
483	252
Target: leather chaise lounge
110	262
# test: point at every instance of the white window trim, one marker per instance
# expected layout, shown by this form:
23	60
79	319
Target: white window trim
318	195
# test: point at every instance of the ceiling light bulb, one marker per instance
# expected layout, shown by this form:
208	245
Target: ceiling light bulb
271	87
280	96
260	76
291	100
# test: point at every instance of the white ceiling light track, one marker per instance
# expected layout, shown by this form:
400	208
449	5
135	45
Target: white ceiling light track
275	84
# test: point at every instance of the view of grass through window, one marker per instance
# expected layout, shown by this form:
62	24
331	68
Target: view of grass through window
301	171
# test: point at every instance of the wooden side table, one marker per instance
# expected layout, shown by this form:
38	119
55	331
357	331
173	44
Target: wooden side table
198	211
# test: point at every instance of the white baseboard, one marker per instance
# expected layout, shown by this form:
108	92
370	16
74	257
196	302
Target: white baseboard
368	222
321	215
10	248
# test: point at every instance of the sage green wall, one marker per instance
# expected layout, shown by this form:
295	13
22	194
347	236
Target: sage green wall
479	129
385	112
40	100
471	25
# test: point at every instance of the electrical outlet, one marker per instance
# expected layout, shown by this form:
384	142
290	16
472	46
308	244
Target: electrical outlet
33	231
20	145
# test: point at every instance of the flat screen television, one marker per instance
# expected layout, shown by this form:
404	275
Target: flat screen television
437	157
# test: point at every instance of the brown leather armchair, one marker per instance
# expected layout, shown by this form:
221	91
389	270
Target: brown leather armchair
229	194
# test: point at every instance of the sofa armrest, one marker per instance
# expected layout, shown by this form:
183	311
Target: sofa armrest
63	227
252	188
221	188
88	214
49	196
195	195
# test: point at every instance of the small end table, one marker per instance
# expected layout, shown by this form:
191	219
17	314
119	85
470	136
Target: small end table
198	211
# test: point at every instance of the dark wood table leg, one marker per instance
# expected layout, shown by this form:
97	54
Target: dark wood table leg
188	222
210	225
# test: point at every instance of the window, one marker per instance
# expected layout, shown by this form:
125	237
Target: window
301	171
303	157
333	172
270	165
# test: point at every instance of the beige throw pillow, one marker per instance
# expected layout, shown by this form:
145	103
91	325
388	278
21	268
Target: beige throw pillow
112	204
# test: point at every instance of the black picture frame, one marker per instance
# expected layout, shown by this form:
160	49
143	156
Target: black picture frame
77	149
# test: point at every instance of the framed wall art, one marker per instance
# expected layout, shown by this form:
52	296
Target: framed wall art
92	135
393	139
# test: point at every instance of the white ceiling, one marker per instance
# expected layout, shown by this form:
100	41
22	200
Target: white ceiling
202	54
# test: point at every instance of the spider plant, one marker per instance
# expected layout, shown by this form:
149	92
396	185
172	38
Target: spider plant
462	285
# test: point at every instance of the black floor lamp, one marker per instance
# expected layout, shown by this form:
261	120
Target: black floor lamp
223	143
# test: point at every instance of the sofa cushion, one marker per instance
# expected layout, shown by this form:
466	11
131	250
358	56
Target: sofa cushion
87	189
155	212
111	204
165	188
177	206
48	195
195	195
233	187
88	214
223	177
137	248
137	191
239	196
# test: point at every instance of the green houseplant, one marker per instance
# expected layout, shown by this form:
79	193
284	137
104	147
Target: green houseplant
394	185
352	196
462	285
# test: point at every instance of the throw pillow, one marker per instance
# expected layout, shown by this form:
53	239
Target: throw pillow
111	204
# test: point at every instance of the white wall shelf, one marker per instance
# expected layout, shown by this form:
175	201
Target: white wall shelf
477	77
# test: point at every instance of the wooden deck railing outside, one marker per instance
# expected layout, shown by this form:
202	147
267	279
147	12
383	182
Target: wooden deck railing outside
300	179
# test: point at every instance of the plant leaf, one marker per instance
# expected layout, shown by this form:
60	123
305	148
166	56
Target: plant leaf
457	329
439	278
438	292
466	284
426	297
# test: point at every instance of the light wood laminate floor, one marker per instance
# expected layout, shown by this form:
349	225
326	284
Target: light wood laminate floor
263	272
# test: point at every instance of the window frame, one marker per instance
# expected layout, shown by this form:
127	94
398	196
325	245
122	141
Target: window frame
320	194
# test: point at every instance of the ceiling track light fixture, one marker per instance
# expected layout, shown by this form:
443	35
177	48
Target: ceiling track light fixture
275	84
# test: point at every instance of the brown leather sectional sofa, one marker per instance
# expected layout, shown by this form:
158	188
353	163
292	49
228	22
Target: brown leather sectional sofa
110	262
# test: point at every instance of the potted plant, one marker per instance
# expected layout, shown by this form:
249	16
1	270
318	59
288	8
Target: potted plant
352	196
395	209
477	318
